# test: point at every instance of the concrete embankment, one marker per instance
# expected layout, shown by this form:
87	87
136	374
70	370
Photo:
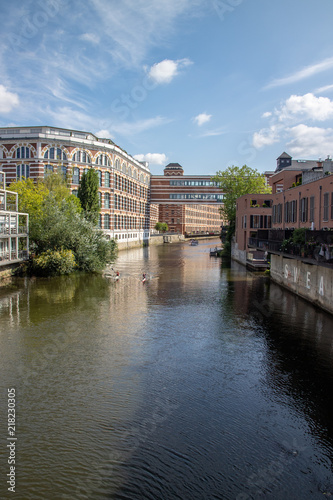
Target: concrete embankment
313	282
153	240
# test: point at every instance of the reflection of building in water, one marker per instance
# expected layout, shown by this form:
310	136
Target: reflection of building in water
15	306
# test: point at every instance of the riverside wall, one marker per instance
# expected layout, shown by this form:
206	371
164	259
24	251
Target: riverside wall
313	282
153	240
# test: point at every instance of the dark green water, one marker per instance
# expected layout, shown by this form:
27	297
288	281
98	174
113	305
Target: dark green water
204	382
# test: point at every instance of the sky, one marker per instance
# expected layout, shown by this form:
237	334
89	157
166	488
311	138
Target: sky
204	83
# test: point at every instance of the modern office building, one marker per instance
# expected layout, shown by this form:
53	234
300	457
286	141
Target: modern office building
14	239
189	204
124	183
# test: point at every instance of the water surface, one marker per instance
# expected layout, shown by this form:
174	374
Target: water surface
205	382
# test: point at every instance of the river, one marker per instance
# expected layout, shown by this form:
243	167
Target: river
204	382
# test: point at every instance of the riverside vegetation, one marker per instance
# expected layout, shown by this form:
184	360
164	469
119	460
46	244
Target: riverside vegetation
63	236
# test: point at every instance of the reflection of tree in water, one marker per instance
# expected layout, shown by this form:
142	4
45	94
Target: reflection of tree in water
37	298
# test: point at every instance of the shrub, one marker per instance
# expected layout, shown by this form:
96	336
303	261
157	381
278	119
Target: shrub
54	262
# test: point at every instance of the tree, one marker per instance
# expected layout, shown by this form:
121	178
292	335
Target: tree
161	226
61	238
235	182
88	195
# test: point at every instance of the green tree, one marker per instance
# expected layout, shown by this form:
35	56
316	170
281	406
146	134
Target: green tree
88	195
161	226
30	196
235	182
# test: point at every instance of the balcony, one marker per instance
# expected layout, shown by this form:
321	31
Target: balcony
315	247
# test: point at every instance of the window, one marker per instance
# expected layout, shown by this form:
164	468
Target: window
106	221
107	179
103	160
100	198
22	171
55	154
76	175
64	172
75	192
312	207
326	205
99	177
117	164
81	157
304	210
23	152
48	169
106	200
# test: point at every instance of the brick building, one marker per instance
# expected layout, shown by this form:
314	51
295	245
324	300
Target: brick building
124	183
302	196
189	204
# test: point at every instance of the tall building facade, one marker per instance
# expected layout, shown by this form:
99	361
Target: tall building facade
189	204
124	183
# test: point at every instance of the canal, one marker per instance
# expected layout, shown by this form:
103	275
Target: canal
204	382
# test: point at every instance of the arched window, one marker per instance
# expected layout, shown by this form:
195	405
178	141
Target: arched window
129	172
106	200
81	157
106	221
124	168
23	152
100	198
22	171
55	154
76	175
107	179
141	178
103	160
100	220
117	164
135	174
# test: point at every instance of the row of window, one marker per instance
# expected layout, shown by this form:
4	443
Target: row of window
192	196
130	222
306	210
123	184
129	205
193	183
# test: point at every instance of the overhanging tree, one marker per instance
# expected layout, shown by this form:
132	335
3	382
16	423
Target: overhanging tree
235	182
88	195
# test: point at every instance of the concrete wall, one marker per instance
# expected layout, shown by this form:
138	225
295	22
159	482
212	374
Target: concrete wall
237	254
312	282
155	240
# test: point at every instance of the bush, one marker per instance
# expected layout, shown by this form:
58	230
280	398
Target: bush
54	263
299	236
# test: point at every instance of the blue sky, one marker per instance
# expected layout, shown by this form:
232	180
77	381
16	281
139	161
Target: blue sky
205	83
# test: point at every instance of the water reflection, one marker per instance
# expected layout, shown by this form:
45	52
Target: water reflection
203	382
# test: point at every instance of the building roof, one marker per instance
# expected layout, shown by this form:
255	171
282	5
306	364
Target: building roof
284	155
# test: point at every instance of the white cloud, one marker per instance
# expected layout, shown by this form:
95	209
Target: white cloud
152	158
310	141
104	134
8	100
306	106
326	88
266	137
165	71
267	114
202	118
90	37
293	112
303	73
